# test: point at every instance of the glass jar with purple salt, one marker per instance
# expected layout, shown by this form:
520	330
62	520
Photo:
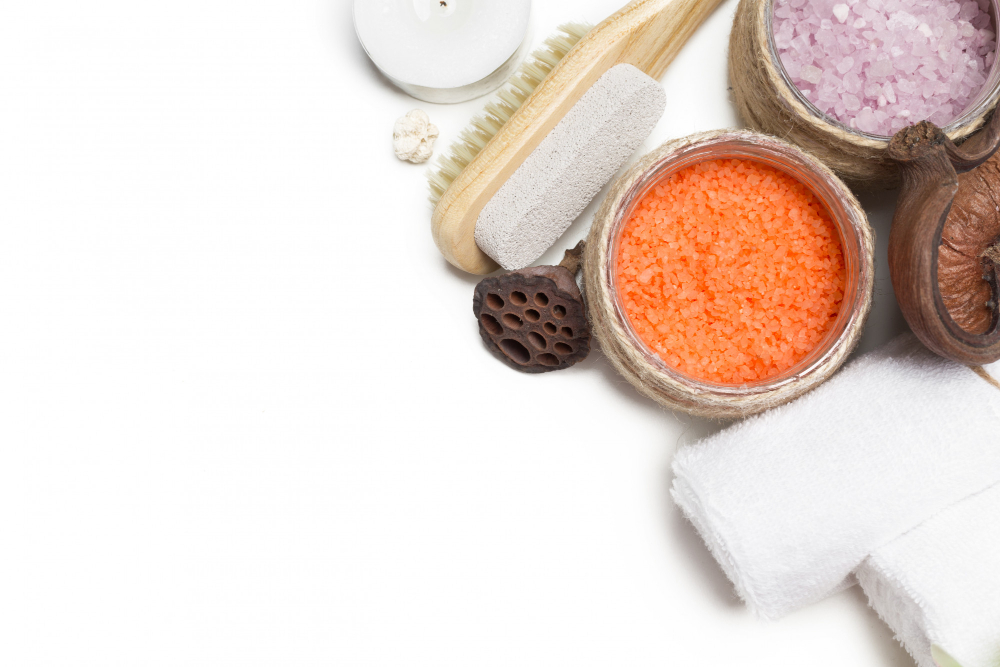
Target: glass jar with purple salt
841	77
879	65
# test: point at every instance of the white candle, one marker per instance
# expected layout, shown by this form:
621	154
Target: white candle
444	50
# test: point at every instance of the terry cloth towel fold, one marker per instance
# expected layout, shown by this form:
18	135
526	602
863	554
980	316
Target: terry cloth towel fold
940	583
791	501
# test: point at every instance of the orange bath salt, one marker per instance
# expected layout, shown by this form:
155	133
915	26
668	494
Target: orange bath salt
731	271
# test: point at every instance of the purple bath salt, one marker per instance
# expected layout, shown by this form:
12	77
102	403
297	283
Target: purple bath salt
880	65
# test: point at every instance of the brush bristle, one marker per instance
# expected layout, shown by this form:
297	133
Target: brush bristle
505	102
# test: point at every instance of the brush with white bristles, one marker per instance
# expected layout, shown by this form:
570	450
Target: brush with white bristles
506	101
555	134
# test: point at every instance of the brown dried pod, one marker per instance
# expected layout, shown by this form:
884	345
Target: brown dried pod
944	246
534	320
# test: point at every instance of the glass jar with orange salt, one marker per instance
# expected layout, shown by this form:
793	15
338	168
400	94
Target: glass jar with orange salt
729	272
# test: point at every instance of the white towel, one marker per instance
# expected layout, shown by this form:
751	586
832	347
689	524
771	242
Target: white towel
940	583
791	501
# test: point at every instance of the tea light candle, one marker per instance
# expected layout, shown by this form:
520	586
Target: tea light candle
444	50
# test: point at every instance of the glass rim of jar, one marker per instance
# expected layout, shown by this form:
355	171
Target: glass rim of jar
849	220
984	101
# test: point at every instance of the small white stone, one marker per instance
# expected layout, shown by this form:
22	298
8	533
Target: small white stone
841	11
925	30
413	137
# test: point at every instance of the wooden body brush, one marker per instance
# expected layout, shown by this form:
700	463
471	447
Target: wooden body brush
645	35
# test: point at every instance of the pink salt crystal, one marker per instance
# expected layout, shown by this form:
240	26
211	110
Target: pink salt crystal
866	121
783	36
852	83
881	68
901	19
858	58
811	74
890	94
827	40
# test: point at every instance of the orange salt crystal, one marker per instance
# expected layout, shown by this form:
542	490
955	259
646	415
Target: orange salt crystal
730	271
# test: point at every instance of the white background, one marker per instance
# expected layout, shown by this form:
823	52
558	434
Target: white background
245	414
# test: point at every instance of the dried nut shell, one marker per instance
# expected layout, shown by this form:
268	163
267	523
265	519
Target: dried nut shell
943	248
534	319
966	265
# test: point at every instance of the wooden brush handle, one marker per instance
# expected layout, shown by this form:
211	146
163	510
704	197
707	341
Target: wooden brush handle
646	34
658	29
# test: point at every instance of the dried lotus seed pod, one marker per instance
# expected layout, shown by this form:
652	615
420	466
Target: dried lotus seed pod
534	320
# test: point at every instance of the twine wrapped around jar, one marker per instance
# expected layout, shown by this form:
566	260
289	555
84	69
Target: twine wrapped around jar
643	368
768	102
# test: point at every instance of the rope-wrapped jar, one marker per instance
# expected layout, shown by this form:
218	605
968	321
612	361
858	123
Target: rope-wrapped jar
768	101
645	369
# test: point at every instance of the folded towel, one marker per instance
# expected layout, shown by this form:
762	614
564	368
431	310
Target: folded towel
791	501
940	583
